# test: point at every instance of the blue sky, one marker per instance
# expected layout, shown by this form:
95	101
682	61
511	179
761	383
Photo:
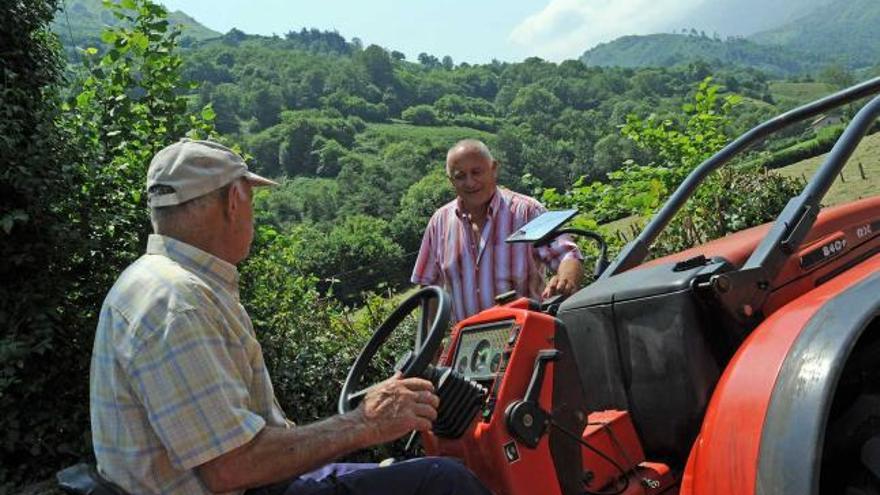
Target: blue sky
474	31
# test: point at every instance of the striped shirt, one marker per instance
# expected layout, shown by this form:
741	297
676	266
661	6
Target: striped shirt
177	375
473	270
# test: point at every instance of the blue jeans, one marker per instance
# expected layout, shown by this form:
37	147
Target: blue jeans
424	476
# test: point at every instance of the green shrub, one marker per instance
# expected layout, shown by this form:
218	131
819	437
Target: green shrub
822	143
488	124
355	256
306	348
357	106
310	340
39	392
420	115
733	199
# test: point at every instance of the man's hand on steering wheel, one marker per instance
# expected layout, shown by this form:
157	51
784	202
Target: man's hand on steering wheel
397	406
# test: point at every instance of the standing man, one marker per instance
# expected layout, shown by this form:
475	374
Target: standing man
463	247
181	401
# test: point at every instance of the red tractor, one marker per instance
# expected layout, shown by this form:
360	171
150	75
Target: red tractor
748	365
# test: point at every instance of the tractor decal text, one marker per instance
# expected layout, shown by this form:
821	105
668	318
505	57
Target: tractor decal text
831	249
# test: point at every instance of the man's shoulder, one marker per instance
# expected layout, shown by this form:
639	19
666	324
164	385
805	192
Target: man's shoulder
445	212
155	283
450	206
517	200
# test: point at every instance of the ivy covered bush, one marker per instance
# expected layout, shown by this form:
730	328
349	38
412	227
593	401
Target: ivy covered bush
730	199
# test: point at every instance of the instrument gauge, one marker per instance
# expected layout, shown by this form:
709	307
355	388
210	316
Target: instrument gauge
495	363
480	357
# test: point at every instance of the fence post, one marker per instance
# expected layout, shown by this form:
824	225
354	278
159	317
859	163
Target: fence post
862	171
841	177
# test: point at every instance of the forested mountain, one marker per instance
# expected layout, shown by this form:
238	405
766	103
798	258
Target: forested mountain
744	17
305	109
666	50
845	32
80	22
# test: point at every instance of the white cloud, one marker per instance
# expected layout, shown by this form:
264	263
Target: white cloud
566	28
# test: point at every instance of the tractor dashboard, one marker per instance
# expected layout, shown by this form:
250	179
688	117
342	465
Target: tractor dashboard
480	350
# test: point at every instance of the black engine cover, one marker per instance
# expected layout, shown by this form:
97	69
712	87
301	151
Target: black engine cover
646	342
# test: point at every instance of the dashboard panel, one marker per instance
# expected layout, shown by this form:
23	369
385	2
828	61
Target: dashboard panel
479	352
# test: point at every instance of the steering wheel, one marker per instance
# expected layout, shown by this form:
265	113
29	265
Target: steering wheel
427	342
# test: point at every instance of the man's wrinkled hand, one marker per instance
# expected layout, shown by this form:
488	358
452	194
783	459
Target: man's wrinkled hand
398	405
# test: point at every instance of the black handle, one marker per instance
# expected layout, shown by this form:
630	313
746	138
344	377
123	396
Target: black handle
544	357
525	419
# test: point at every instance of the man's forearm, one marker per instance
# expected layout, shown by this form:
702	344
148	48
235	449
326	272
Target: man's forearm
276	454
571	269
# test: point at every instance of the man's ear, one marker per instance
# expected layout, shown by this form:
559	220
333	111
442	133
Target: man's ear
448	173
233	201
495	167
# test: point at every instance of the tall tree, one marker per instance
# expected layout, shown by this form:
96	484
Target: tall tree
378	65
32	240
73	200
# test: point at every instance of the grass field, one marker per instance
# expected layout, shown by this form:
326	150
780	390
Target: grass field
852	186
790	94
408	132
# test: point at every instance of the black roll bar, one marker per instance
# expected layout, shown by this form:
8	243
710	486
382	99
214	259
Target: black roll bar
743	292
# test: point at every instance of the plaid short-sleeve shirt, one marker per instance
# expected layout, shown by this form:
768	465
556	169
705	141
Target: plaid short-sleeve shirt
177	375
475	270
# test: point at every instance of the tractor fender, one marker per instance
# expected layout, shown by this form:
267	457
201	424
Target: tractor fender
764	427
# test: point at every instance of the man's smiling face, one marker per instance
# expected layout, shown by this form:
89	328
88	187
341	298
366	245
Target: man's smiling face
473	175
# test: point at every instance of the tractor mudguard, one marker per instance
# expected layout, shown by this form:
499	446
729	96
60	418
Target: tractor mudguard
763	432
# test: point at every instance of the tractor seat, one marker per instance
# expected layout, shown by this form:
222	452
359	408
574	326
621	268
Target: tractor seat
84	479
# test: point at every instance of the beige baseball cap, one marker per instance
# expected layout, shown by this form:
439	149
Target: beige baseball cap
188	169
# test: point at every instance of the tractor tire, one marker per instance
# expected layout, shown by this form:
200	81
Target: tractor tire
851	453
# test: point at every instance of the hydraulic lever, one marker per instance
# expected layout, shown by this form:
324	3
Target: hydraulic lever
525	419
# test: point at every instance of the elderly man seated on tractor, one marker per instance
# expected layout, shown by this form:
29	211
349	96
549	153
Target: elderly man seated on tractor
463	247
181	401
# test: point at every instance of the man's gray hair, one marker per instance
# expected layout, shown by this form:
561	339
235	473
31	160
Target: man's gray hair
470	144
168	219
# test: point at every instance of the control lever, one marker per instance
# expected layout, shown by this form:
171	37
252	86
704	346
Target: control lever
551	304
525	419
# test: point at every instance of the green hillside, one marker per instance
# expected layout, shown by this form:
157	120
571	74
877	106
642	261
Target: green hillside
846	31
666	50
80	22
